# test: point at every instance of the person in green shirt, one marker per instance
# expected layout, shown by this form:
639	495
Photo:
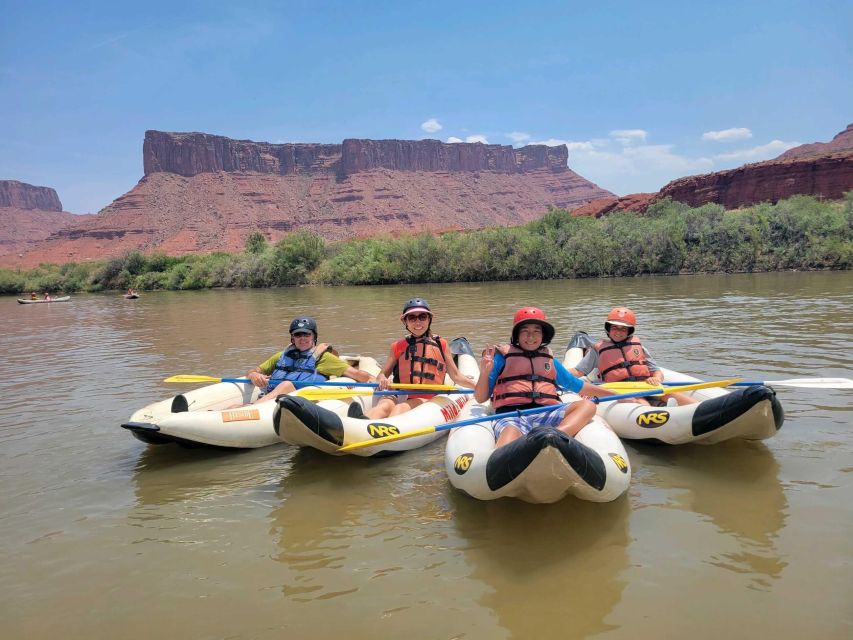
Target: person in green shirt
302	361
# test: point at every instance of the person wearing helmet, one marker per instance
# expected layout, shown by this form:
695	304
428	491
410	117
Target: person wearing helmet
525	375
622	357
302	361
419	358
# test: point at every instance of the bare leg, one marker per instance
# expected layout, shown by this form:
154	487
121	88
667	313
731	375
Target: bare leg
382	409
408	405
285	387
577	416
508	435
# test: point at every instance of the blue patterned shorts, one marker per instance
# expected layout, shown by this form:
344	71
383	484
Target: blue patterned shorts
528	423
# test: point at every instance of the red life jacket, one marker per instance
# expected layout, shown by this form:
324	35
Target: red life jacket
420	360
623	361
528	377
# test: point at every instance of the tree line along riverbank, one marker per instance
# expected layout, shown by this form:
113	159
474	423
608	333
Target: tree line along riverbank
669	238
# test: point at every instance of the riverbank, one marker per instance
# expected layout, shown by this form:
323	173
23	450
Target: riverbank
800	233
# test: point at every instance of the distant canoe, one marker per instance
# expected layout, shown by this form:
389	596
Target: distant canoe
62	299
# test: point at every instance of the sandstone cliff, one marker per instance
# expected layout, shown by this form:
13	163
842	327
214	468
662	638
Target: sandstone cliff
21	195
842	142
204	193
28	216
826	177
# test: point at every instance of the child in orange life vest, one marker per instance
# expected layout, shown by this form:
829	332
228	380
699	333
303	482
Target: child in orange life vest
623	358
419	358
527	376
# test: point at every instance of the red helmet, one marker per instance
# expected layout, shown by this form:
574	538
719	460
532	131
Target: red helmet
534	315
621	317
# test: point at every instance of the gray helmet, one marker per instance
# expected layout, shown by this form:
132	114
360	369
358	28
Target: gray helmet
304	323
415	304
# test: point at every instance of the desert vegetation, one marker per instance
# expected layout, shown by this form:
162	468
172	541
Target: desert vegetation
669	238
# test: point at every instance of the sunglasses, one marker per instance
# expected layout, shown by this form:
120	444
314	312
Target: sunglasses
301	334
420	317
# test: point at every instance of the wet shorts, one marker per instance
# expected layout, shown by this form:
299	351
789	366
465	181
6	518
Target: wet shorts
528	423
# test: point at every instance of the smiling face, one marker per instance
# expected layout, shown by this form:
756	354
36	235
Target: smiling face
530	336
618	333
302	340
417	322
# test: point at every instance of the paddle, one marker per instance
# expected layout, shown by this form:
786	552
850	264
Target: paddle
660	391
191	378
526	412
333	394
806	383
371	385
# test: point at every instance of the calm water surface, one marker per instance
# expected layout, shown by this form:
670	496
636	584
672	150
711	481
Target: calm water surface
104	536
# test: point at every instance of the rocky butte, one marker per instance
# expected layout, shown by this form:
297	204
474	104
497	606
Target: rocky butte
28	215
821	169
203	193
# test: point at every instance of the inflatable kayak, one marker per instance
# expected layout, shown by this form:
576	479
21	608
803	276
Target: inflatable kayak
131	296
542	467
330	424
212	415
750	413
62	299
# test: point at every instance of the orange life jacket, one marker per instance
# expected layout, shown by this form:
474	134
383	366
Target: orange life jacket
623	361
528	377
419	360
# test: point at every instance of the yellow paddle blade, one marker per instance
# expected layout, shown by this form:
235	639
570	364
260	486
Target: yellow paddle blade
627	391
332	394
625	387
423	387
698	385
363	444
192	378
703	385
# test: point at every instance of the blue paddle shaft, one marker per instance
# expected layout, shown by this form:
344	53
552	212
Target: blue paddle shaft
498	416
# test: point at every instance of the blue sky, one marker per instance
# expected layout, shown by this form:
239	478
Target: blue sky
642	92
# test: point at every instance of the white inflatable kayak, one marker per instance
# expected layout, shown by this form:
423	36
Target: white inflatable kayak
207	416
542	467
750	413
330	424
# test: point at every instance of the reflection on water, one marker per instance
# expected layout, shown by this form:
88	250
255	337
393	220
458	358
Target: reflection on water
553	570
374	537
736	486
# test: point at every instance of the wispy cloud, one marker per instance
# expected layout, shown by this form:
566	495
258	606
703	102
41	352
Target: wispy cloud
431	126
728	135
755	154
629	136
518	136
623	163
